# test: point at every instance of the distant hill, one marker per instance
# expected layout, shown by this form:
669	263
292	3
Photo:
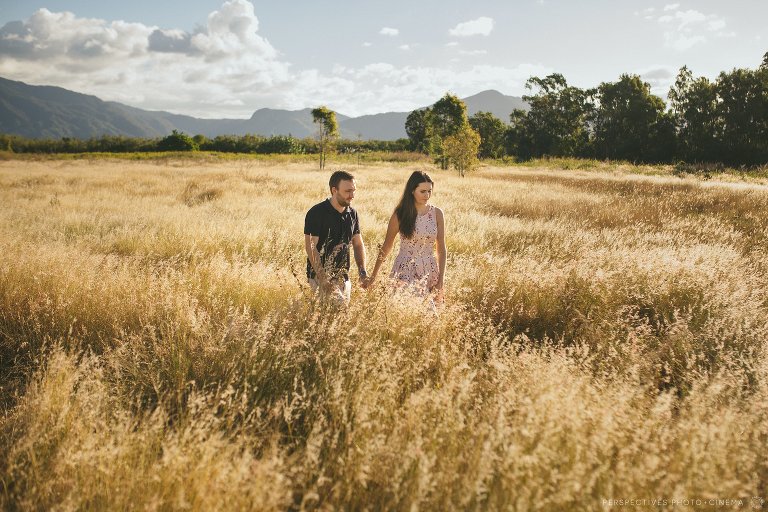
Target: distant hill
52	112
494	102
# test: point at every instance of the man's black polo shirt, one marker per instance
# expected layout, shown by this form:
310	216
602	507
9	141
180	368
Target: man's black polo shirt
335	231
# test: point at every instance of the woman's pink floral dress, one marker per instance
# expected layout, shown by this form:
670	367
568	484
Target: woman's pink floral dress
416	264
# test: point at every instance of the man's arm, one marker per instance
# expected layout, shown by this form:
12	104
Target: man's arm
310	246
359	248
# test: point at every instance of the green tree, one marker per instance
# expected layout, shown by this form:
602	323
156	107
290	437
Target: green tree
517	139
447	117
557	121
742	109
177	141
282	144
630	123
417	129
327	130
461	148
693	105
201	140
492	131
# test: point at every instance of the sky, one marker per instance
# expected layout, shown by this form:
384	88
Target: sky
226	59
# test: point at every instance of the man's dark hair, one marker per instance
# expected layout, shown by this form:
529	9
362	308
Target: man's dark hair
339	176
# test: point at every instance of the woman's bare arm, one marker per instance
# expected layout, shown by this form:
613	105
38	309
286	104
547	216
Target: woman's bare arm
389	240
442	251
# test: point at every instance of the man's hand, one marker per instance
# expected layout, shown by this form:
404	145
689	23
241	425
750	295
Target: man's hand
325	284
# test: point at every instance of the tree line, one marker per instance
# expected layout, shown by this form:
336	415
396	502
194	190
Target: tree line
724	121
714	121
179	141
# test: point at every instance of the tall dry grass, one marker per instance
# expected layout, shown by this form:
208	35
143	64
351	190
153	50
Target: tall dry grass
603	339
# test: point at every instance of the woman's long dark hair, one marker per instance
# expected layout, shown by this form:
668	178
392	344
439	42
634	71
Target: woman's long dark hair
406	208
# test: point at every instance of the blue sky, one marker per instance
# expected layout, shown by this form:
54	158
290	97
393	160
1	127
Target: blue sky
215	58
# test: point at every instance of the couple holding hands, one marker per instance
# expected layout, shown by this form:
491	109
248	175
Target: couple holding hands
332	226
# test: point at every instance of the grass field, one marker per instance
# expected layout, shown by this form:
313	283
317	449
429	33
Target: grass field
603	338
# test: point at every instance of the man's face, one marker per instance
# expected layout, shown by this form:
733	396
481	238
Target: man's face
345	193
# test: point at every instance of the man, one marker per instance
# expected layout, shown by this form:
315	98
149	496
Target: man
330	227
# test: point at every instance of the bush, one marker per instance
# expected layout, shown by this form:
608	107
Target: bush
177	141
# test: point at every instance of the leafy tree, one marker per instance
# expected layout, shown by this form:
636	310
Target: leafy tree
491	130
200	140
630	123
517	139
557	123
693	105
177	141
328	130
417	128
5	143
742	108
447	117
461	148
282	144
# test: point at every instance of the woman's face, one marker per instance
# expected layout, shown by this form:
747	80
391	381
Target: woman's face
422	193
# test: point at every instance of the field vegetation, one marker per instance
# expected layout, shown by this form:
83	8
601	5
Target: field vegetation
603	338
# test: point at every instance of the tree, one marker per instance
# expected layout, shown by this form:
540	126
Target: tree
742	109
447	117
177	141
693	105
557	121
417	128
491	130
461	148
556	124
630	123
201	140
282	144
327	130
517	139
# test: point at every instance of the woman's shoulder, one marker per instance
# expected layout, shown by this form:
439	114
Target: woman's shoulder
438	212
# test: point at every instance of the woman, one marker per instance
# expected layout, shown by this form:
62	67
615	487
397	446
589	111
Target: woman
422	229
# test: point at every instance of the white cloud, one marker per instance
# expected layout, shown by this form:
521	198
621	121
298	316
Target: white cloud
404	47
367	44
481	26
660	78
231	30
452	43
225	68
682	42
389	31
716	24
405	88
196	73
473	52
684	29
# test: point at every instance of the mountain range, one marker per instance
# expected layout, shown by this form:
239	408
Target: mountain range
35	111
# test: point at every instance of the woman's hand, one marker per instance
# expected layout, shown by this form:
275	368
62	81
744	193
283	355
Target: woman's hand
437	290
367	283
